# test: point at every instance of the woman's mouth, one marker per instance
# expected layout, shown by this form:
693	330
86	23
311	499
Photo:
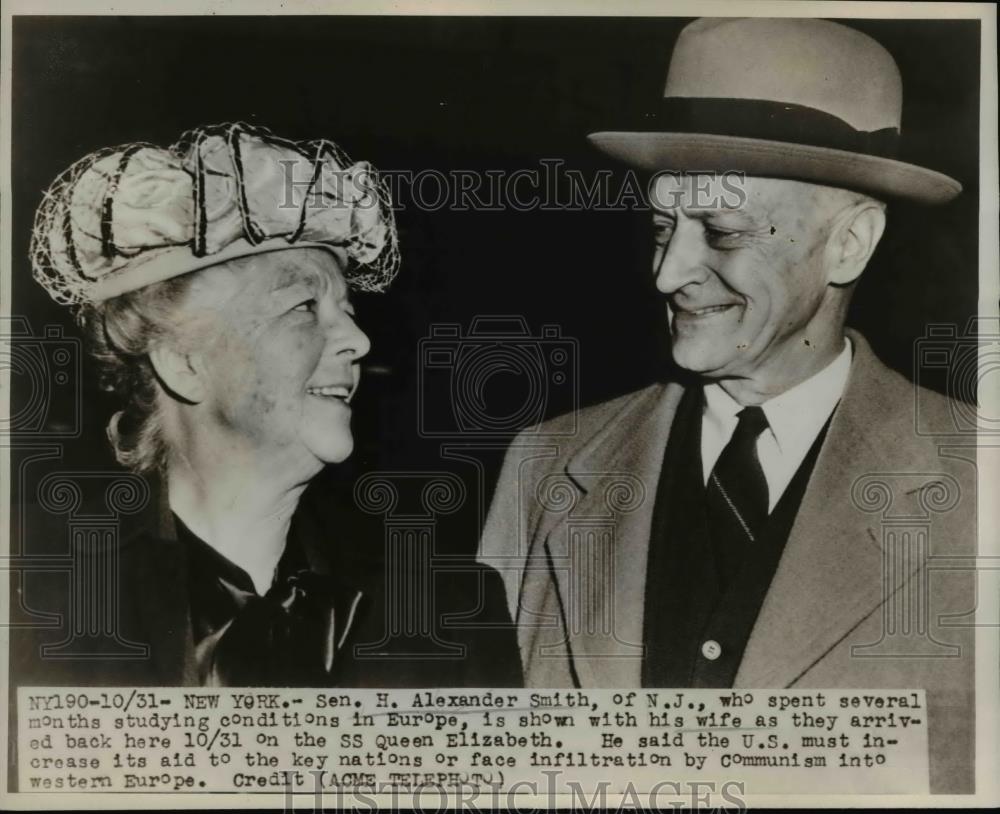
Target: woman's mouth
339	392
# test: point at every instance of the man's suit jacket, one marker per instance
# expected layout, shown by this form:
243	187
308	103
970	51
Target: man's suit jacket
887	519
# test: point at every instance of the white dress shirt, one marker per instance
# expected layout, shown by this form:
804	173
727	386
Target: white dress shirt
795	419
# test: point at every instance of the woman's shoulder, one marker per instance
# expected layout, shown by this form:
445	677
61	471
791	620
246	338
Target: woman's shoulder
115	603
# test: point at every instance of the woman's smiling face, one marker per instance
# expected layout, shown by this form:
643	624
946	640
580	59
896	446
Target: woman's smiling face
279	352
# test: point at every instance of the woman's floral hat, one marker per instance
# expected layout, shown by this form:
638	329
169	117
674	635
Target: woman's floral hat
125	217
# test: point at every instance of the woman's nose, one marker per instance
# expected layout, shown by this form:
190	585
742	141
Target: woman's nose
355	341
682	260
345	335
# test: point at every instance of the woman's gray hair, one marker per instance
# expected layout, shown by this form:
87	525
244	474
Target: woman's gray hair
120	333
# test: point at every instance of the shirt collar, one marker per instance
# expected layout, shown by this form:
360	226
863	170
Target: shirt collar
796	416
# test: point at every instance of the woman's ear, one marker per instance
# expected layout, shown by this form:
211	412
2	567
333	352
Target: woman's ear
180	373
853	239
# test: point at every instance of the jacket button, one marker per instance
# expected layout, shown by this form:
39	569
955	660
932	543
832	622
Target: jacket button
711	650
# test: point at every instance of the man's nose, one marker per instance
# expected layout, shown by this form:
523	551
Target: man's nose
682	260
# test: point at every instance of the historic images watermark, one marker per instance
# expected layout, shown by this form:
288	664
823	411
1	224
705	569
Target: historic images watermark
549	187
462	796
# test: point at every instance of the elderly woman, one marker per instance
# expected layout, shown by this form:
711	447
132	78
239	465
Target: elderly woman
213	283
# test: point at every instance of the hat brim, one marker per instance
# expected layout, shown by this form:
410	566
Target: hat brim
163	264
706	152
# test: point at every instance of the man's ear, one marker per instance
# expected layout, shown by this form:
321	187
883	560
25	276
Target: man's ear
853	239
180	373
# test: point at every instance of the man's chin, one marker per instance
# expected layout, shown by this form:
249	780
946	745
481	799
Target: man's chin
702	358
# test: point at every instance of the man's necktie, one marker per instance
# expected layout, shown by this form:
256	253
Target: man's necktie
737	495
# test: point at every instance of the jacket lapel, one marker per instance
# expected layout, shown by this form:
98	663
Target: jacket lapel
598	546
831	574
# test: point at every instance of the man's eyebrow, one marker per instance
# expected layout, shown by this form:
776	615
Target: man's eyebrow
705	214
714	210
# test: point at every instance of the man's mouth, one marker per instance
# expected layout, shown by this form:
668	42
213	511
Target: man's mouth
340	392
705	311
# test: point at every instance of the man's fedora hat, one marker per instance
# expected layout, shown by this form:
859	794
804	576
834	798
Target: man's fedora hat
804	99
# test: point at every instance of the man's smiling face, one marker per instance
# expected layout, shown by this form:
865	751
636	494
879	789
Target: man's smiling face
745	286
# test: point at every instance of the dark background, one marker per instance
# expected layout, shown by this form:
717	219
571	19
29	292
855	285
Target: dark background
458	93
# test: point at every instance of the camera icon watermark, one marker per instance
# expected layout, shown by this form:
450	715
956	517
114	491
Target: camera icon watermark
964	364
498	378
45	380
582	555
910	506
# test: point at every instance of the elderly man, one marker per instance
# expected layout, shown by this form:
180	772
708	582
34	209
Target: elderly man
732	527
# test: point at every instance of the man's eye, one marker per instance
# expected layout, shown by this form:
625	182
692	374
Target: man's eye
307	305
716	235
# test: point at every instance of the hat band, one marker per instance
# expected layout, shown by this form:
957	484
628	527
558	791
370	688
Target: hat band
773	121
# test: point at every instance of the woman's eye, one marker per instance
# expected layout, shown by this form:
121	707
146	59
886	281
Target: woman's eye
662	232
307	305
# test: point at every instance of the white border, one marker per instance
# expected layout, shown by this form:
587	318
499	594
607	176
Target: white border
987	644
